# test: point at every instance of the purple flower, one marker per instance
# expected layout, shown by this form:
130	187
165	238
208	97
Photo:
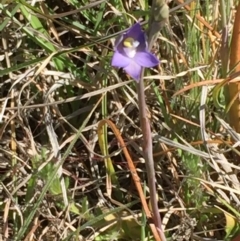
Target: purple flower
131	52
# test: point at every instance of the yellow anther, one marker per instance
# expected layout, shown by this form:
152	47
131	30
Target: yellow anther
128	42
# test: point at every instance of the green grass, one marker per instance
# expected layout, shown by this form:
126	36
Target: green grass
58	83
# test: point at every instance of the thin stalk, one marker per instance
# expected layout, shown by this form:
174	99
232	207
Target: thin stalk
234	66
158	16
224	46
148	155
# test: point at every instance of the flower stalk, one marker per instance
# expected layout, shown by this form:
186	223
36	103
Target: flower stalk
132	53
158	16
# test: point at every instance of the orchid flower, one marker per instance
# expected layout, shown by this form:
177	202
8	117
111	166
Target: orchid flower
131	52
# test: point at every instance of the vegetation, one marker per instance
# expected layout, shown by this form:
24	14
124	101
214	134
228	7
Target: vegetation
68	117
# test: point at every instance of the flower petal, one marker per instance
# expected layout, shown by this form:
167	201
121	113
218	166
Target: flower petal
137	34
134	70
143	46
119	60
146	59
118	41
130	52
134	31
